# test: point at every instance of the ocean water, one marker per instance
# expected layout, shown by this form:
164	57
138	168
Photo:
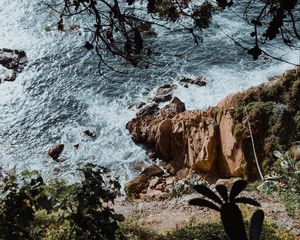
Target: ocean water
60	93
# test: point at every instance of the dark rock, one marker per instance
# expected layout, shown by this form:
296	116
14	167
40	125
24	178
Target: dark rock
13	59
165	89
198	81
152	155
162	98
89	133
76	146
153	171
55	151
148	110
140	105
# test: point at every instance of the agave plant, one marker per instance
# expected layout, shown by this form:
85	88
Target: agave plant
231	215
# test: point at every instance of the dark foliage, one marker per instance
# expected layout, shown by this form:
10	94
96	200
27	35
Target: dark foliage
231	214
85	205
118	26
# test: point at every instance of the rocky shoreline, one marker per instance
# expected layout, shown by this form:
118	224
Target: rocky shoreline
218	140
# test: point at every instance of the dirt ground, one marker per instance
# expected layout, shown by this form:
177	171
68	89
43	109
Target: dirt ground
167	214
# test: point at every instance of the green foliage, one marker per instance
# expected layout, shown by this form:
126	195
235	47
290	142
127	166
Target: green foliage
273	111
287	182
231	215
200	231
184	187
32	209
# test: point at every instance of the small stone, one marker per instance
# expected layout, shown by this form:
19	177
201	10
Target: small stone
140	105
170	181
160	187
152	155
76	146
89	133
137	166
198	81
154	182
165	89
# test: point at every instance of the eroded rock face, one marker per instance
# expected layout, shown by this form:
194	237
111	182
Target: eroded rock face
143	127
218	139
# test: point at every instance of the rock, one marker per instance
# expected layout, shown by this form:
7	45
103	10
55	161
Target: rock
14	60
153	171
148	110
198	81
140	105
170	181
89	133
137	166
141	182
154	182
55	151
76	146
165	89
152	155
216	140
161	98
160	187
146	119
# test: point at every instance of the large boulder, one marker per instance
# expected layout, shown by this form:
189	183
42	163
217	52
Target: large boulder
142	181
143	127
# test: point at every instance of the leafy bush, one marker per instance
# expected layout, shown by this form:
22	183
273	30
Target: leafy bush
32	209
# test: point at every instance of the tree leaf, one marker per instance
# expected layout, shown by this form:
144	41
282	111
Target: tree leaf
256	224
204	203
222	190
237	187
246	200
278	154
206	192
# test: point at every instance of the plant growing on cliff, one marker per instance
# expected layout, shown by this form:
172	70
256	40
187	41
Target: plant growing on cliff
231	215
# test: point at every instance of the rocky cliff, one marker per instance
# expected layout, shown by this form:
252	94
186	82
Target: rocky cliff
218	139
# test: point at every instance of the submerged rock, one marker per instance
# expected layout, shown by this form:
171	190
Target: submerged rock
198	81
165	89
55	151
162	98
89	133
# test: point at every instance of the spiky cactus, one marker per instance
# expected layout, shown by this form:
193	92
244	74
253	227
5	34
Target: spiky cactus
231	215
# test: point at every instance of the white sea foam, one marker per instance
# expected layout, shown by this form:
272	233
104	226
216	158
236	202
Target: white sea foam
59	94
